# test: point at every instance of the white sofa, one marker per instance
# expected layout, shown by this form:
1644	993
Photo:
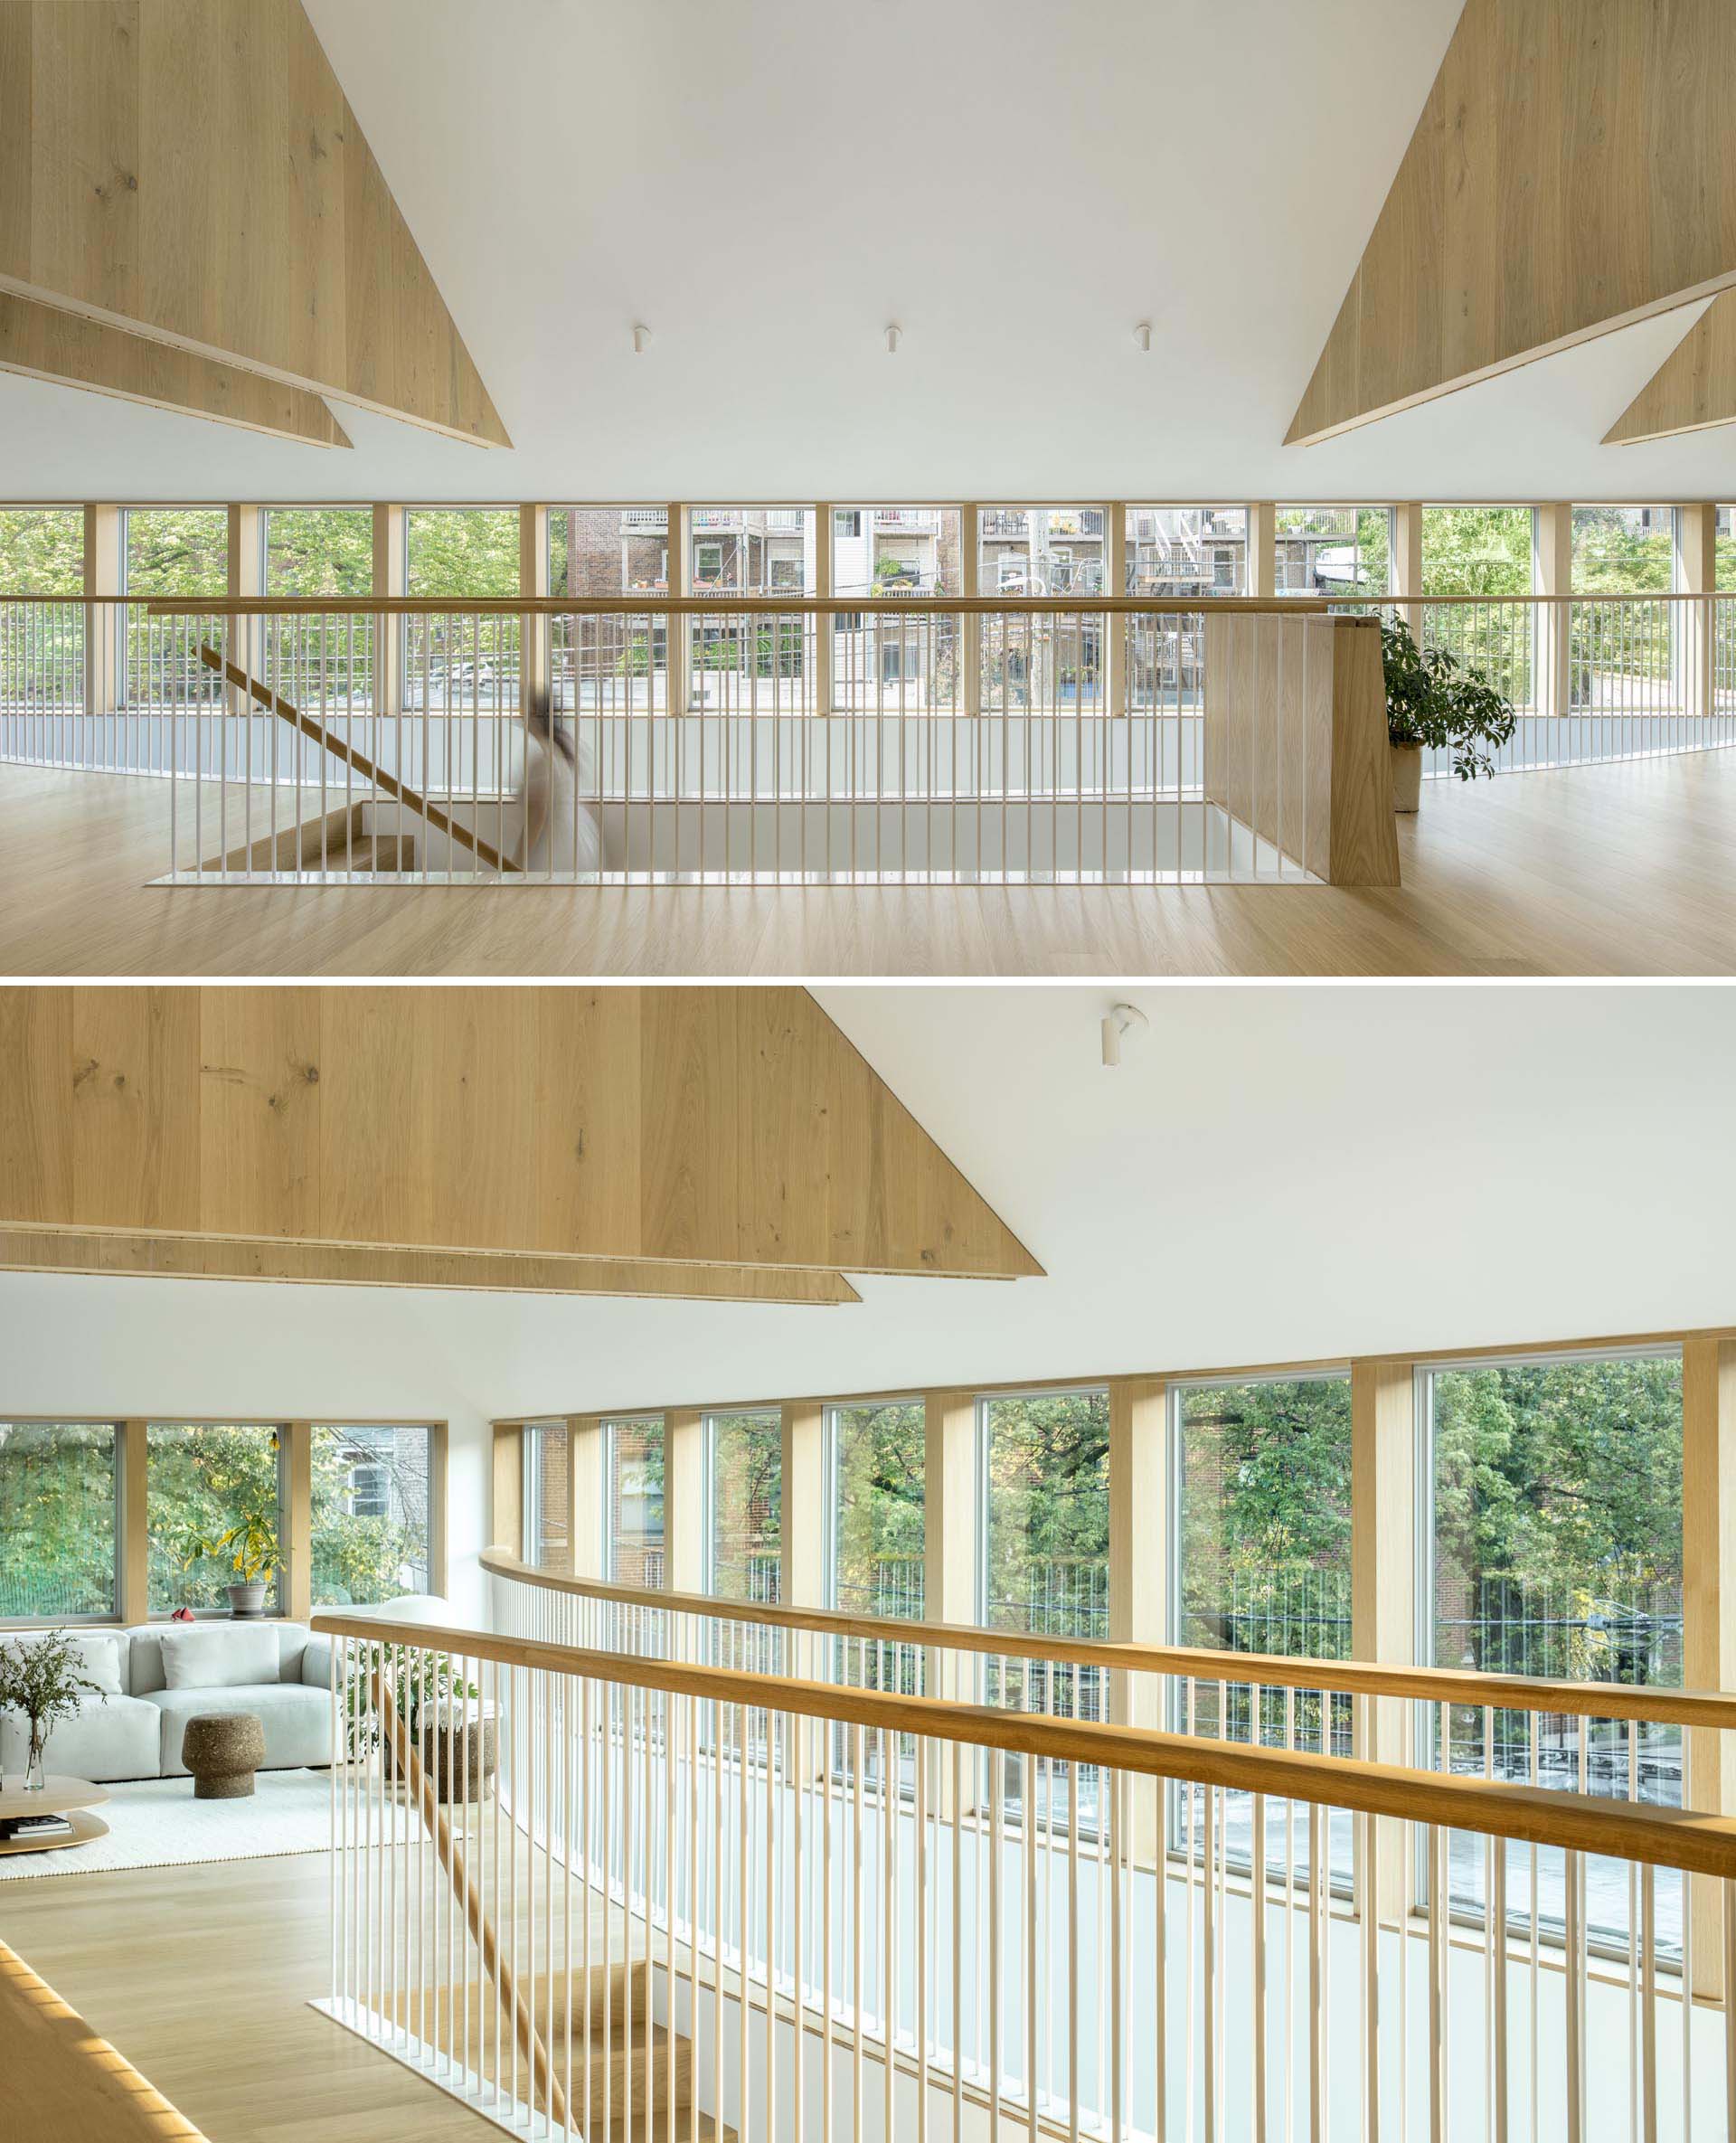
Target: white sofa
155	1681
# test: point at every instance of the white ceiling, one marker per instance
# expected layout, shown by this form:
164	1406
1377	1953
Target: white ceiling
1015	181
1281	1172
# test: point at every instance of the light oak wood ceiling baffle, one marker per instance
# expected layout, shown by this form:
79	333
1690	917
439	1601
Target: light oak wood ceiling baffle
192	170
721	1142
1569	175
1693	389
45	343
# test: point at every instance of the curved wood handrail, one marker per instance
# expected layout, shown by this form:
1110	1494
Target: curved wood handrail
1681	1838
1458	1687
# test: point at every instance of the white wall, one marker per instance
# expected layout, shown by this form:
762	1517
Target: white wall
196	1350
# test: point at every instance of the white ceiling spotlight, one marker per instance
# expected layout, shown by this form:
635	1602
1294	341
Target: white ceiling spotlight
893	334
1142	335
641	339
1120	1019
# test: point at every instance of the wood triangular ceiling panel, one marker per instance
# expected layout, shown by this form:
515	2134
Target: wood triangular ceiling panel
192	169
40	342
1570	174
1694	388
724	1126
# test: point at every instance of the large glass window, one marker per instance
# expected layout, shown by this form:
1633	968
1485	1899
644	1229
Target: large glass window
1476	549
176	551
758	662
42	551
634	1516
318	550
1174	551
609	664
546	1456
371	1515
878	1457
896	551
752	550
1477	553
206	1485
1028	660
1041	550
747	1503
1044	1461
457	662
1264	1518
1343	553
1623	657
609	550
471	551
57	1519
1045	1458
1624	550
1552	1519
878	659
1262	1525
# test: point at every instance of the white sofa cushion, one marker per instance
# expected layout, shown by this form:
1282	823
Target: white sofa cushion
220	1656
102	1653
118	1737
296	1720
144	1659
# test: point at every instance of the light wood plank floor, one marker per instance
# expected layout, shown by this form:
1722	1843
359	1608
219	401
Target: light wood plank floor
200	1976
1626	869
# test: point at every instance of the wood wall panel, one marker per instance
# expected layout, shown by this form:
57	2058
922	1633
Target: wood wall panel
260	1112
1296	742
706	1126
195	170
134	1114
587	1181
42	342
1571	172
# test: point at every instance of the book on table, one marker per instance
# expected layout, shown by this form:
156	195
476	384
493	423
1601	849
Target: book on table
35	1826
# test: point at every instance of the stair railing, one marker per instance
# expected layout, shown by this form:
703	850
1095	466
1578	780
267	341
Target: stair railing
774	1906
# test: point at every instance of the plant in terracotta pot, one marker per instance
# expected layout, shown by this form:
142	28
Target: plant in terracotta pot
252	1549
1433	699
44	1678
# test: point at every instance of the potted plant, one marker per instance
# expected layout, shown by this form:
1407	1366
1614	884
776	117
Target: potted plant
252	1547
42	1678
439	1716
1434	699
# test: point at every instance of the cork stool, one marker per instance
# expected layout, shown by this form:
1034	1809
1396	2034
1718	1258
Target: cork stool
222	1751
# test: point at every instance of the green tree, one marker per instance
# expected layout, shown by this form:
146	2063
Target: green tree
42	551
1558	1515
881	1456
319	550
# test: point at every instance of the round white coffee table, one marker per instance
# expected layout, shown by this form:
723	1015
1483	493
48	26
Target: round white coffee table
70	1797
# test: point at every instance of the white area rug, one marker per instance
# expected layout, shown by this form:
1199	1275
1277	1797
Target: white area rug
157	1823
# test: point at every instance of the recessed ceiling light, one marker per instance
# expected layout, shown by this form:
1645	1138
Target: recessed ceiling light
641	339
1142	335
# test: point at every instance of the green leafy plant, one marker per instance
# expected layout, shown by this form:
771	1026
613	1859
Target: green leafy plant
425	1688
1433	699
42	1678
251	1548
